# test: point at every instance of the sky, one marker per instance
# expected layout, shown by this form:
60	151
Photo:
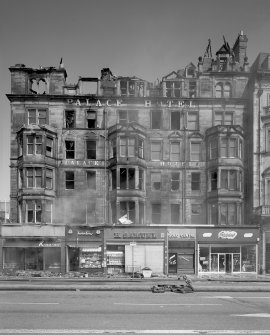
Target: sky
145	38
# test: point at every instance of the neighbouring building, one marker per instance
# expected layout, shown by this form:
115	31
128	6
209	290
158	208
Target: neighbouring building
116	173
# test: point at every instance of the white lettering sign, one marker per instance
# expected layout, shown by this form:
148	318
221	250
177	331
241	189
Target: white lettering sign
227	234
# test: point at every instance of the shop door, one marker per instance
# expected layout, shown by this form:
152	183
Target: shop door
185	263
221	263
228	263
173	262
73	257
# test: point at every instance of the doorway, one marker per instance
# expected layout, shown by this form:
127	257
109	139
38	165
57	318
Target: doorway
225	262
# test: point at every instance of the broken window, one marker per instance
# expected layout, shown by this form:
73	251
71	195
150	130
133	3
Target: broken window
33	211
49	147
123	88
70	119
175	151
91	119
70	149
192	89
33	177
156	119
91	149
195	181
91	180
175	213
20	145
38	86
156	213
214	180
156	181
70	182
175	181
34	144
173	89
49	179
127	212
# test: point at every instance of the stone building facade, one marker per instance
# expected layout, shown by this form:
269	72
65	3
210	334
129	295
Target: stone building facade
115	173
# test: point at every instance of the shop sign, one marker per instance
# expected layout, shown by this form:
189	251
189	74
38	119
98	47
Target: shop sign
48	245
181	234
132	235
83	163
227	234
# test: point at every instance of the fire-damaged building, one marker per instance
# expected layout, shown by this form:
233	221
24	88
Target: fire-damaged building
115	174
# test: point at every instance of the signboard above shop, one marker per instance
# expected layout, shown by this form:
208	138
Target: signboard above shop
227	234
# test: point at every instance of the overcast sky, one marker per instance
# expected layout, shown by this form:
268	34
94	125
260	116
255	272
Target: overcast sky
145	38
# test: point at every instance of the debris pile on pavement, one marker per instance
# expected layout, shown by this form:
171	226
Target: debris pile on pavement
172	288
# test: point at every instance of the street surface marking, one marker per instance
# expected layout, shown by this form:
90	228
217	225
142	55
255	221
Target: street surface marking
29	303
255	315
126	331
229	297
131	304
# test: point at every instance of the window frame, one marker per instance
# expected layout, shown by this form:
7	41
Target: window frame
70	181
156	121
153	153
37	118
91	149
69	151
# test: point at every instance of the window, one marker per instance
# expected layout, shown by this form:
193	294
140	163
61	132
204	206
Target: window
91	149
127	212
156	213
70	119
175	151
173	89
20	145
229	179
175	120
227	91
223	90
48	211
127	147
213	143
49	179
37	116
141	212
175	213
195	181
91	119
218	90
38	86
141	179
268	192
140	148
33	177
70	149
113	148
156	181
91	180
175	181
192	89
195	151
229	147
193	121
196	214
33	211
123	88
223	147
213	209
223	118
228	214
126	116
34	144
214	179
49	147
127	178
156	119
156	151
114	180
232	147
70	182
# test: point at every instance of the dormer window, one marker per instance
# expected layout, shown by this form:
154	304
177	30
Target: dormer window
38	86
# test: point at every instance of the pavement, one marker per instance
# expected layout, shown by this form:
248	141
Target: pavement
203	283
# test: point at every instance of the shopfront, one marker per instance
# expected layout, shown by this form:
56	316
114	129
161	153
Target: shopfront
40	254
84	249
132	249
227	250
181	251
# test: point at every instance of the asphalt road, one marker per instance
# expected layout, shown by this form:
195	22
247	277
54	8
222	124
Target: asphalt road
39	312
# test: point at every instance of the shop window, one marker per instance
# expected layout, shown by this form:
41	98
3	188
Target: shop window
175	213
223	118
49	179
195	151
214	180
127	116
173	89
70	118
34	144
70	149
127	178
156	154
228	180
37	116
213	148
156	181
193	121
127	147
141	179
33	211
175	120
175	151
49	147
140	148
91	149
192	89
195	181
127	212
91	119
156	213
228	214
114	180
196	214
33	177
248	253
156	119
175	181
70	180
204	256
91	180
48	211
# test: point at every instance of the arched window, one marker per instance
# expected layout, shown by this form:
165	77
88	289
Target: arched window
227	90
219	90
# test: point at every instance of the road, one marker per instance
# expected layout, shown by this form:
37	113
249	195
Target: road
35	312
